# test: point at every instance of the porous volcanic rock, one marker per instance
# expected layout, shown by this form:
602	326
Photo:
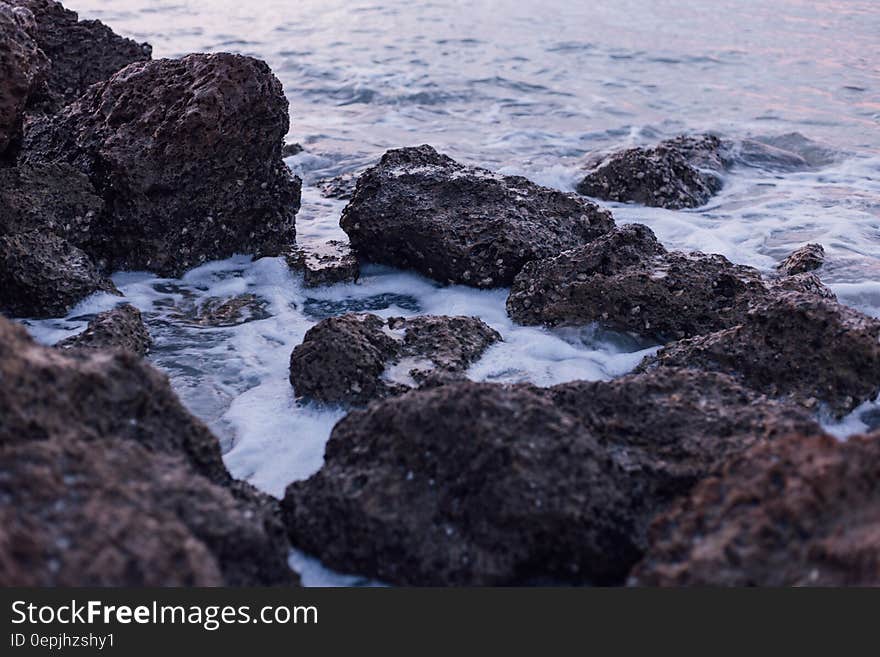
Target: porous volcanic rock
43	275
187	156
356	358
807	258
81	52
628	281
108	481
421	210
683	172
23	69
808	283
111	513
479	483
119	328
803	511
324	264
94	394
800	346
56	198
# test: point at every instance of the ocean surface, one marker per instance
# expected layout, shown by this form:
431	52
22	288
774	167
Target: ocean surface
523	88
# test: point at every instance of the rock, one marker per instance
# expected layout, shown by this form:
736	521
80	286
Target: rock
356	358
787	152
799	346
340	187
216	312
119	328
54	197
804	511
106	480
807	258
705	418
111	513
289	150
42	275
488	484
422	210
187	156
91	395
808	283
324	264
627	281
23	69
683	172
82	52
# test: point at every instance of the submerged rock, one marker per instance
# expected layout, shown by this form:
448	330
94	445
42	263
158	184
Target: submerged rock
82	52
807	258
340	187
799	346
683	172
187	155
289	150
111	513
787	152
23	69
486	484
42	275
93	394
422	210
356	358
628	281
216	312
324	264
119	328
804	511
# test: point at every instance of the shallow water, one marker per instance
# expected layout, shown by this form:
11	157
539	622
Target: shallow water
527	89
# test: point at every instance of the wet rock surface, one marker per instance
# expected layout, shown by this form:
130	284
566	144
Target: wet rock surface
216	312
628	281
93	394
683	172
187	156
807	258
23	69
324	263
421	210
809	349
477	483
356	358
119	328
42	275
804	511
81	52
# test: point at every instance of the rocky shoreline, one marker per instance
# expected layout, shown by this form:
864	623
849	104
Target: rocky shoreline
705	466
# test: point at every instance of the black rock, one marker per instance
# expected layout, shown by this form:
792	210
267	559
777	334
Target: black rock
422	210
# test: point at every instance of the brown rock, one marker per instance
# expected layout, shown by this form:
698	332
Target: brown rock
487	484
798	346
119	328
804	511
187	155
42	275
356	358
627	281
324	264
422	210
